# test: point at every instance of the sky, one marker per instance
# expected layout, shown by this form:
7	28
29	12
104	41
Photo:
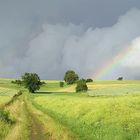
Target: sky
51	36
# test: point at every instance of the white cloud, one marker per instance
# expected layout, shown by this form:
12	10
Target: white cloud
132	59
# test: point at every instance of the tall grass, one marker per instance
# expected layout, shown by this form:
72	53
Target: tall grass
5	120
98	118
7	95
101	117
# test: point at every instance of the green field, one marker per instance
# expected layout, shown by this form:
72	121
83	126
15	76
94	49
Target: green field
110	110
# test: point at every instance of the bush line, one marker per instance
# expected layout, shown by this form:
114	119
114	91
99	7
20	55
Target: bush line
13	98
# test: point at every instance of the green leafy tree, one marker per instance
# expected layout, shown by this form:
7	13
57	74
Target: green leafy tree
31	82
89	80
18	82
120	78
81	86
70	77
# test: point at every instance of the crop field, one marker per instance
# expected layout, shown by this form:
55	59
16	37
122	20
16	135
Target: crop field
114	88
102	116
109	110
97	88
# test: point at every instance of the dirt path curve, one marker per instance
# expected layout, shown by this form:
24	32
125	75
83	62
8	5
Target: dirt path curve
27	126
36	127
33	124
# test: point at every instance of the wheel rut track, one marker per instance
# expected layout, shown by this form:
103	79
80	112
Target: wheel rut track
36	128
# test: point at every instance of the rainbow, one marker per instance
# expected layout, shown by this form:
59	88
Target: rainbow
111	65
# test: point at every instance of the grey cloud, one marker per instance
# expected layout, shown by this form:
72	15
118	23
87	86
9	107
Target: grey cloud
61	47
80	35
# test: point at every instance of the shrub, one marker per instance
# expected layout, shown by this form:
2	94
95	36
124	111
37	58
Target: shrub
61	84
12	82
18	82
5	116
18	94
42	83
120	78
14	98
70	77
89	80
81	86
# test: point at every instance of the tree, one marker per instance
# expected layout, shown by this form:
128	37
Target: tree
70	77
61	84
89	80
31	82
120	78
81	86
18	82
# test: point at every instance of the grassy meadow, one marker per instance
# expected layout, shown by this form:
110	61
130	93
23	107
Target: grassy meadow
110	110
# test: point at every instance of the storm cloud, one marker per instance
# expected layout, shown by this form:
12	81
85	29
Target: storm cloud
50	47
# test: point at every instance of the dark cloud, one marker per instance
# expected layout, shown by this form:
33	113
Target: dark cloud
97	13
76	34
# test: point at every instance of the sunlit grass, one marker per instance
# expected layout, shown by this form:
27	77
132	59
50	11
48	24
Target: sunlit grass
104	116
99	117
4	126
6	94
4	99
112	113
